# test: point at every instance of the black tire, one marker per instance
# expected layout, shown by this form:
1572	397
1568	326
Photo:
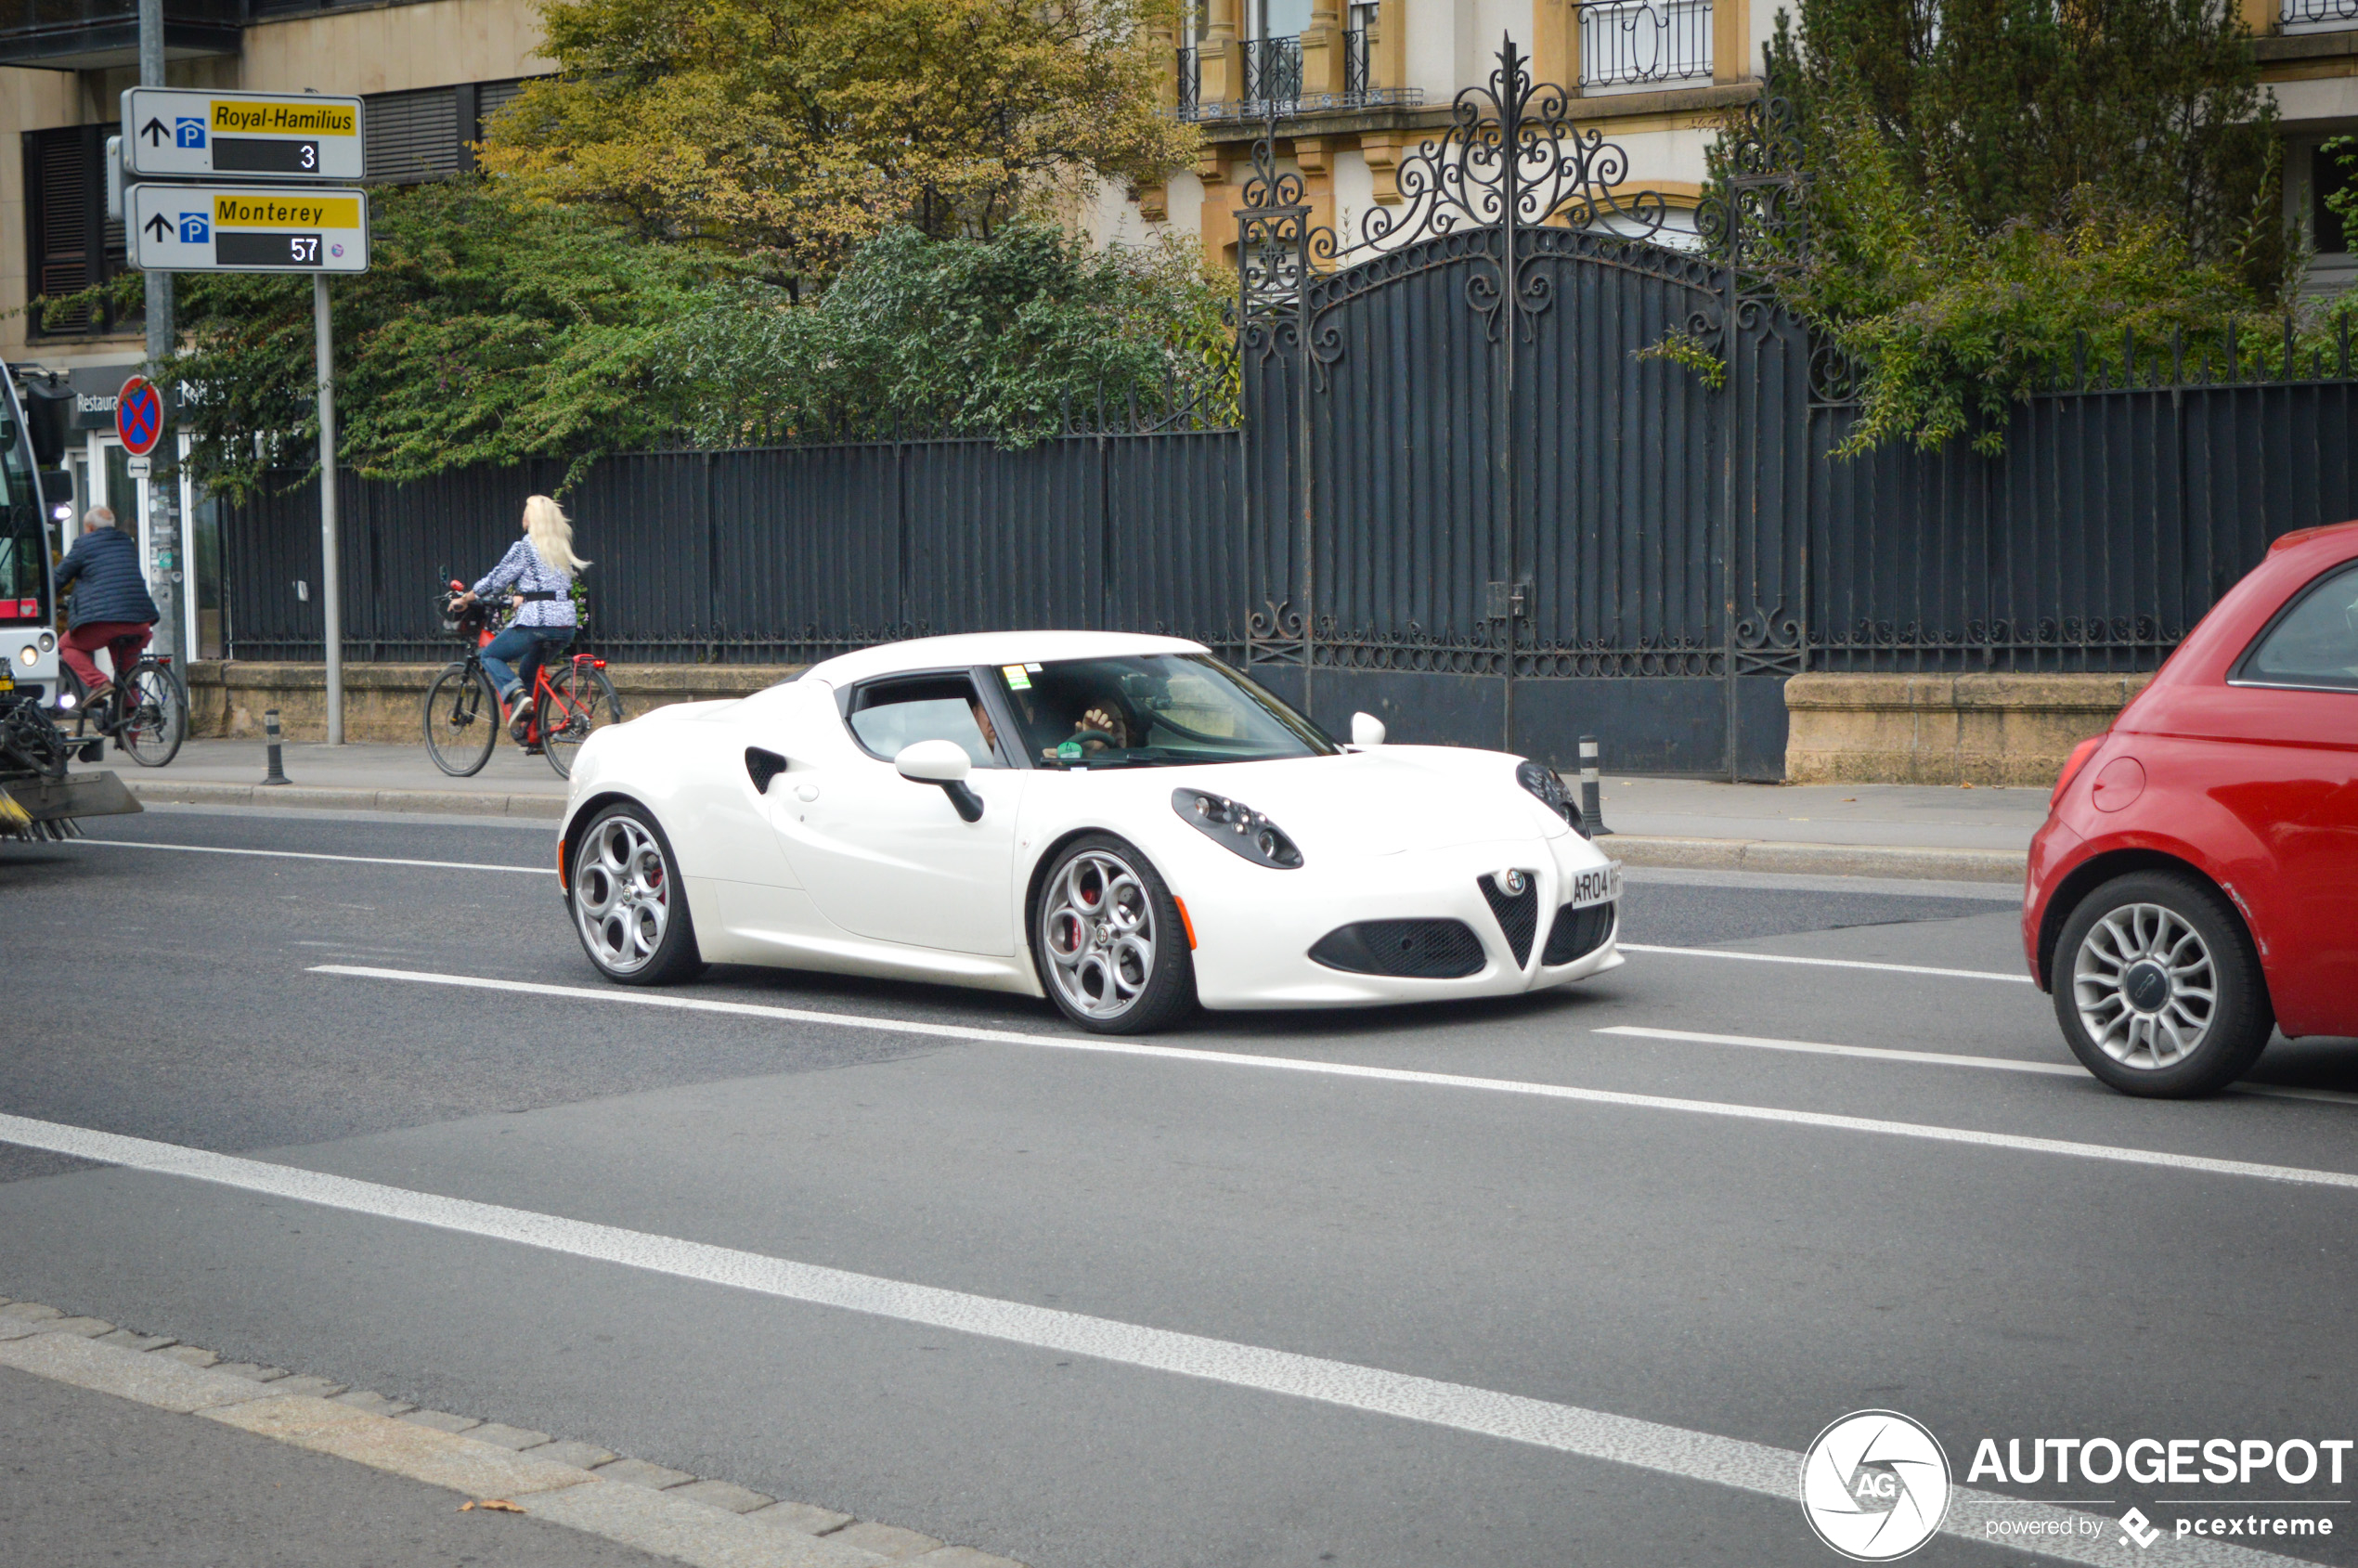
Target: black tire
629	908
2157	987
568	715
155	710
463	720
1094	966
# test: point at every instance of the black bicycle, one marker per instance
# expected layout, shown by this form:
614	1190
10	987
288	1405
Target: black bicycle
146	713
569	701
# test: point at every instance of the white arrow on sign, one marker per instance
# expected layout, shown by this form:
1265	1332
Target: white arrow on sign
176	135
228	228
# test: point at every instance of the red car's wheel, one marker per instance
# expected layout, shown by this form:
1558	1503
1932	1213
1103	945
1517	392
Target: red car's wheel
2157	987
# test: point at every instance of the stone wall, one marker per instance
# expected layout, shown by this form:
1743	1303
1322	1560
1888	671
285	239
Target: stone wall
1945	728
385	702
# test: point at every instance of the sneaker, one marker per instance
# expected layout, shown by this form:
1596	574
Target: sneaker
97	693
520	721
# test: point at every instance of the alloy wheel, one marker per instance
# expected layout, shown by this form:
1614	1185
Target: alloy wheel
622	895
1097	928
2144	986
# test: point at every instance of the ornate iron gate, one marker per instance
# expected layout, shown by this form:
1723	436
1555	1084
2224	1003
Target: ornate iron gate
1473	497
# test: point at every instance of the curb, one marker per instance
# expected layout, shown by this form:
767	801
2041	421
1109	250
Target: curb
639	1505
1818	860
454	802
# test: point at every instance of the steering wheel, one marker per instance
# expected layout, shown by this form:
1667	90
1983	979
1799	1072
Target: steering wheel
1085	736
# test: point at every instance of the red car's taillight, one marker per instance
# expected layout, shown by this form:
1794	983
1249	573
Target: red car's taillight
2078	759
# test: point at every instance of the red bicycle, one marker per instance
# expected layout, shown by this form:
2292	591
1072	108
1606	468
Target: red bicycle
568	701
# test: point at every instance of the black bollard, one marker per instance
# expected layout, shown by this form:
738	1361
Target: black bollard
278	774
1592	812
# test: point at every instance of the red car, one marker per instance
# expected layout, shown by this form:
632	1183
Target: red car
2196	882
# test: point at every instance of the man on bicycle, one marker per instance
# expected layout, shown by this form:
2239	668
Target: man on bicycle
112	609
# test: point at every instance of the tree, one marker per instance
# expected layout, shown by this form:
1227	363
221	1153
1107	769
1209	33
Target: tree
791	130
1014	337
1997	184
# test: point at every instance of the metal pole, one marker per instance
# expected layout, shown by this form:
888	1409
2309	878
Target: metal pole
332	596
278	774
162	538
1592	810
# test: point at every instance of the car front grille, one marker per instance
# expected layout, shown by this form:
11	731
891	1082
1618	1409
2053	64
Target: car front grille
1577	933
1518	913
1427	950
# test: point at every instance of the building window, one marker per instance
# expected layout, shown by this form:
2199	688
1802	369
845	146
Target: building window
428	136
72	242
2330	176
2299	16
1644	41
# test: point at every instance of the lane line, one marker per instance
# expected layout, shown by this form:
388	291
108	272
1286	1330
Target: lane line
1098	1046
1938	1058
1827	963
309	855
1569	1429
1872	1052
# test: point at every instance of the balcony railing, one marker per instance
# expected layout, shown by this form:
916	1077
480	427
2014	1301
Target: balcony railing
2317	13
1656	40
1272	83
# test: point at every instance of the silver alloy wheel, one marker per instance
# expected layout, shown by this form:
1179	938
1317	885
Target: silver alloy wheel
2144	986
1097	928
622	895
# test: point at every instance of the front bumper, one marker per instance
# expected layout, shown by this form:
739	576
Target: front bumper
1254	943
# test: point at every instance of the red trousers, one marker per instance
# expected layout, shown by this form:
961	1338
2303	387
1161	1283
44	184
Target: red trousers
123	641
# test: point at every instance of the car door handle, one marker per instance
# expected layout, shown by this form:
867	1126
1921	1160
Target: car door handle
806	792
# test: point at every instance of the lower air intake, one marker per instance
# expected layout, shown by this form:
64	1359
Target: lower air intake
1577	933
1424	950
1518	910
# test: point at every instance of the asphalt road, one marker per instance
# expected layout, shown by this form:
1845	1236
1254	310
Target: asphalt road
1700	1268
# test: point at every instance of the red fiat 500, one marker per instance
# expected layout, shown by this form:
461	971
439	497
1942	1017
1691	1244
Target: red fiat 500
2196	882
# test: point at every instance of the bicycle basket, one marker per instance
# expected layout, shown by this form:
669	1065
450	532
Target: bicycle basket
464	623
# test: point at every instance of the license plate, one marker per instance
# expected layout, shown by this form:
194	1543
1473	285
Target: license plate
1598	886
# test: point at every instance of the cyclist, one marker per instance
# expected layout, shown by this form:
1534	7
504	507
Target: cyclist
540	567
112	608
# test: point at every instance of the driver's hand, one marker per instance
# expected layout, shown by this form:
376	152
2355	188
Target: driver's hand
1106	721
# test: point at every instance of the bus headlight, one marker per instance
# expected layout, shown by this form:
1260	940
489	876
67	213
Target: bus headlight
49	640
28	655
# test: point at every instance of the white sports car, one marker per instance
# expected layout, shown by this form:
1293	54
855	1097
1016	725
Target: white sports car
1123	825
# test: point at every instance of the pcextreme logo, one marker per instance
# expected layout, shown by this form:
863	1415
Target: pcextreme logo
1875	1485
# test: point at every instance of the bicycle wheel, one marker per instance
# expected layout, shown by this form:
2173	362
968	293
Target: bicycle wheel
155	714
462	719
579	701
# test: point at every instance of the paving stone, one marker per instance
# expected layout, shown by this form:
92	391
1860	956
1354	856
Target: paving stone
28	1311
128	1374
88	1327
375	1403
476	1469
806	1517
885	1540
442	1420
506	1436
960	1557
318	1388
587	1455
18	1330
724	1494
136	1342
666	1524
189	1355
639	1473
250	1370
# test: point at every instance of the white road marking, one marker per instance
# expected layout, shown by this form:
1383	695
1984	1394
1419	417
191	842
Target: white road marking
1940	1059
308	855
1595	1435
1098	1046
1827	963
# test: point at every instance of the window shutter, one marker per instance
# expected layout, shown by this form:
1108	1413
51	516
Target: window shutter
413	136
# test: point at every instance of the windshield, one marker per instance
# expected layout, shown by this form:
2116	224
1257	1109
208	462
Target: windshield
24	548
1151	710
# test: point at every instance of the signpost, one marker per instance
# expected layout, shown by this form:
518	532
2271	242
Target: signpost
173	135
191	225
138	415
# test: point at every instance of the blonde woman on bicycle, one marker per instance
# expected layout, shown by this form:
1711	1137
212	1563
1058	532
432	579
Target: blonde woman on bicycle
540	569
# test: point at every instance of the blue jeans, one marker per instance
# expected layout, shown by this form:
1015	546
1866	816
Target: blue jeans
516	642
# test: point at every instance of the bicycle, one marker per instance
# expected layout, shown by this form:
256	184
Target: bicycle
146	714
462	718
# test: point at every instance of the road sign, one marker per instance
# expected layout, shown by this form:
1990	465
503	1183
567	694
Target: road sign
220	228
138	415
174	135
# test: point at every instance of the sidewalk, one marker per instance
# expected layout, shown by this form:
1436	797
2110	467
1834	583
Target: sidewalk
1970	835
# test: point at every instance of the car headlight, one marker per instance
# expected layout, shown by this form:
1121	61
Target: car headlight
1543	783
29	654
1237	828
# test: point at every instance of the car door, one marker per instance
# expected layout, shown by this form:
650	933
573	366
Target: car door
2294	707
885	858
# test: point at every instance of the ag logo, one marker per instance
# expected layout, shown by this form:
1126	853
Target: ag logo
1875	1485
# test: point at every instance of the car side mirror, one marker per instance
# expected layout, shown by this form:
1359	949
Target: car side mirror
1366	730
944	763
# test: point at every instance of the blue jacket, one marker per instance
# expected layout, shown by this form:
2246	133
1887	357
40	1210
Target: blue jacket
103	566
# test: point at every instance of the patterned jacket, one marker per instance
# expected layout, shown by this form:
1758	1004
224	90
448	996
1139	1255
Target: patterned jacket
522	570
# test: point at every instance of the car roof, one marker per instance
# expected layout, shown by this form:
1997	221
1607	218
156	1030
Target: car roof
989	648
